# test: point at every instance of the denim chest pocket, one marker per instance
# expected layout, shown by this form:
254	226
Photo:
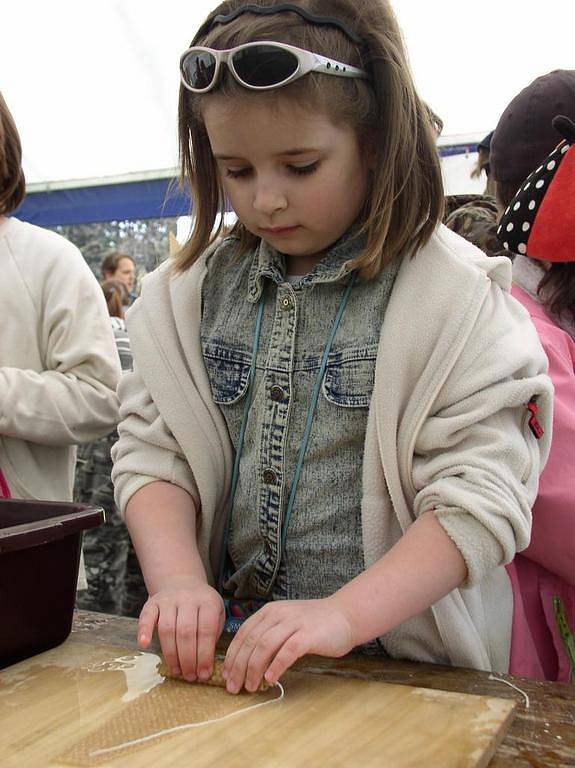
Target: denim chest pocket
228	371
350	376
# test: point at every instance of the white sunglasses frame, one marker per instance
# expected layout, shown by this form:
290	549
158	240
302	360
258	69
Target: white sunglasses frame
307	62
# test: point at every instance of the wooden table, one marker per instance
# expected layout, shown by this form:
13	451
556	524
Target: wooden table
542	734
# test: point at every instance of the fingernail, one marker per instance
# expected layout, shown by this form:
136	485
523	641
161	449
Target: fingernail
142	639
225	674
190	678
232	688
204	674
176	671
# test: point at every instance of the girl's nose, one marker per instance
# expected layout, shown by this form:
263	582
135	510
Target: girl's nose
269	198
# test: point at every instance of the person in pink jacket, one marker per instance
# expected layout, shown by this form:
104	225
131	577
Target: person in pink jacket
539	226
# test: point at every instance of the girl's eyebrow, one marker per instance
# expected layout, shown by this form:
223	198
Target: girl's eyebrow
287	152
299	151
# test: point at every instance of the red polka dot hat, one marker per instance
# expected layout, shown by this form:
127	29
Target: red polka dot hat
540	220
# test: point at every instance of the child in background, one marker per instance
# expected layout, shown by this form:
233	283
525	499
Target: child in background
328	415
539	227
117	297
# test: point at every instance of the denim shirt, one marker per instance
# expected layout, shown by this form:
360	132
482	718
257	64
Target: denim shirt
323	549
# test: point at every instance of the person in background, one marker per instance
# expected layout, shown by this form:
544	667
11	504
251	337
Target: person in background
117	297
115	582
119	266
484	166
539	227
58	362
326	417
524	134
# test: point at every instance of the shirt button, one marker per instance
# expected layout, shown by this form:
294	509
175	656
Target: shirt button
270	477
277	394
286	302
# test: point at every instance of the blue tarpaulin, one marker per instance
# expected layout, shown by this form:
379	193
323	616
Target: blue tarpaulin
152	199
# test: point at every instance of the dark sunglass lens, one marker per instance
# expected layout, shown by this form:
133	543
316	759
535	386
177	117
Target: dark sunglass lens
263	65
199	68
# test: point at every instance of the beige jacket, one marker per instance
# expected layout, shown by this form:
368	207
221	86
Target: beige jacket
58	362
458	362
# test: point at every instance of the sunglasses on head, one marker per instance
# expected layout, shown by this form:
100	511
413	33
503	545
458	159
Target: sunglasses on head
258	66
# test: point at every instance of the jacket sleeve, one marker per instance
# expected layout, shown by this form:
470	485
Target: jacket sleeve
146	450
553	536
476	460
73	399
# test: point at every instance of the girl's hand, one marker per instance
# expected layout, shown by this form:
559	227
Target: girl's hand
189	619
281	632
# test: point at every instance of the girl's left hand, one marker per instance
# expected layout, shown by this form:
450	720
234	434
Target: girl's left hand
271	640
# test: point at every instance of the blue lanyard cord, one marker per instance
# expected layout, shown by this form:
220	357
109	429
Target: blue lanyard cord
307	431
236	470
311	411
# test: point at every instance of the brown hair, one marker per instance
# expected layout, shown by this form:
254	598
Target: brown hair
116	295
405	199
112	261
556	290
12	181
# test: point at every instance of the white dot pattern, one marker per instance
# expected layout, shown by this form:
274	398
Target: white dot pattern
517	222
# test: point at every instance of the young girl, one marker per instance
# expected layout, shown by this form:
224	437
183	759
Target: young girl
328	417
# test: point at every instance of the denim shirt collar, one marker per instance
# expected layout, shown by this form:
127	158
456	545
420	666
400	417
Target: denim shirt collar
269	263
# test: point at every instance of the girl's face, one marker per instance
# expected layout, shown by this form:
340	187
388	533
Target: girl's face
125	273
293	177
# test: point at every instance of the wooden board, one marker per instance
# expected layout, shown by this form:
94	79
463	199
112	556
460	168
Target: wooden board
85	705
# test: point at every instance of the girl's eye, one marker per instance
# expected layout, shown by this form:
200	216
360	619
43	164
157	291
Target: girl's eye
237	173
304	170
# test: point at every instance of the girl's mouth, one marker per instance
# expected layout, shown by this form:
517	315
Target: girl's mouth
279	231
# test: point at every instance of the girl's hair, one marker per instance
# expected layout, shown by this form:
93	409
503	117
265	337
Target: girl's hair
116	295
556	290
405	199
112	261
12	182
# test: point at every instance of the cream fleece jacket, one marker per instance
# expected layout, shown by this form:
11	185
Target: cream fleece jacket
58	362
458	362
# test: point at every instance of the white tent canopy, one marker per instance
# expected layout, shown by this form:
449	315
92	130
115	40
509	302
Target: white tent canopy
93	85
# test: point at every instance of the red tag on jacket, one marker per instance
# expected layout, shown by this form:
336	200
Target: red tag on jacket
534	423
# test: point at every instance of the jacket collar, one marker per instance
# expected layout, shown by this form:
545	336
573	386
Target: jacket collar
269	263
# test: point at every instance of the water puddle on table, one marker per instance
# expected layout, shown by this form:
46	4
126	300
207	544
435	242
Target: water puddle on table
103	705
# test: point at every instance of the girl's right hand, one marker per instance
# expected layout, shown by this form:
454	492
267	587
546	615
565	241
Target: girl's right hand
190	620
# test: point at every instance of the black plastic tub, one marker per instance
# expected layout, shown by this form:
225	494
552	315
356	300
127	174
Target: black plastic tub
40	544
